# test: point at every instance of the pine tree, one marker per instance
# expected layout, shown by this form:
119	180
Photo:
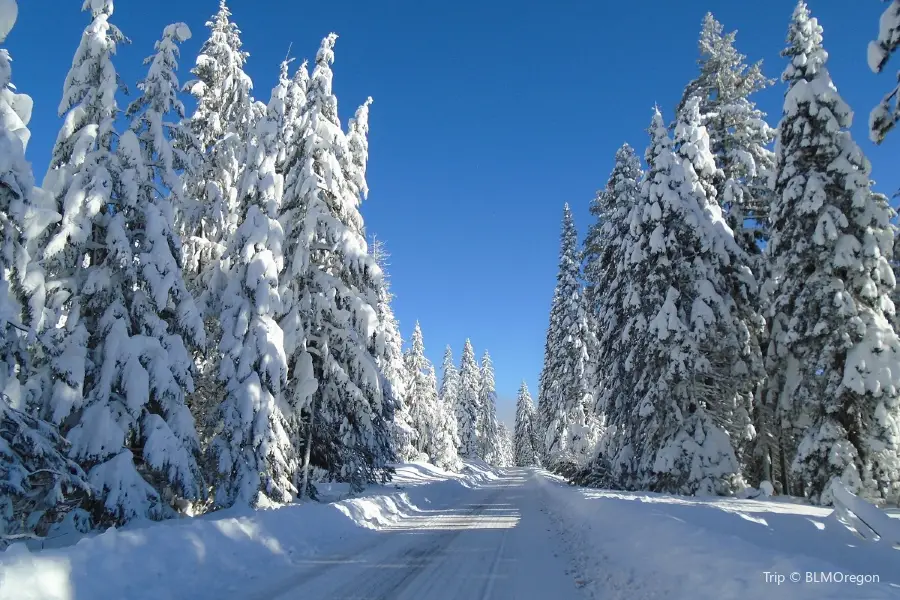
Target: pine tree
449	395
566	400
738	134
220	126
887	113
607	279
253	452
467	405
39	485
735	367
525	454
333	284
444	438
832	346
504	447
422	404
25	212
488	433
669	439
391	363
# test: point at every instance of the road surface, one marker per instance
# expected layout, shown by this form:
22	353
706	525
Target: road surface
497	543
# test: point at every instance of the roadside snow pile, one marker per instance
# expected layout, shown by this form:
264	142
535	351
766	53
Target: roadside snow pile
224	553
632	546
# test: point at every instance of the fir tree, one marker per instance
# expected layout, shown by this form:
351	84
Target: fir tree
467	405
832	346
39	484
668	439
524	452
253	452
738	134
220	126
607	279
391	363
333	284
25	212
566	399
488	434
421	401
887	113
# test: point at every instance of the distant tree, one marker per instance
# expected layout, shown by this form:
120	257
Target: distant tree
468	408
488	433
524	451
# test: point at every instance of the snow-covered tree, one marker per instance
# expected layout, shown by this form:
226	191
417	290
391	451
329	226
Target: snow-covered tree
504	447
668	438
444	438
738	133
420	397
735	367
467	406
253	452
567	402
606	276
887	113
221	126
833	352
524	452
39	484
24	215
332	285
448	395
118	361
391	363
488	434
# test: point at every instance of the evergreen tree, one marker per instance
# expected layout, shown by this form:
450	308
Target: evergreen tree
887	113
253	451
333	284
738	134
735	368
832	348
220	126
39	485
444	438
25	212
504	447
607	279
525	454
668	438
391	363
488	433
467	405
566	401
422	404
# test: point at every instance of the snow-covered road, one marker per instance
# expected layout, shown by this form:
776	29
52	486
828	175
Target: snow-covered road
497	543
483	533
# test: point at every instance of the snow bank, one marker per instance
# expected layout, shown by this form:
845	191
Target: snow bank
229	553
639	545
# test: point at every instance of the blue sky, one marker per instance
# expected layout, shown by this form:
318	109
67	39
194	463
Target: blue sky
488	116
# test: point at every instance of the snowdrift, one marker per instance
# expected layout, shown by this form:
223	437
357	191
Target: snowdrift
148	561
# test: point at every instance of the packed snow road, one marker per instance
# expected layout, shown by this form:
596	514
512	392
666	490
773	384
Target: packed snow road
497	543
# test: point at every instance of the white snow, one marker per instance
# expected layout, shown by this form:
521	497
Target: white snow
516	533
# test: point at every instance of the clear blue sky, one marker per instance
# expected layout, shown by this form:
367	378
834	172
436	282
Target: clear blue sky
488	116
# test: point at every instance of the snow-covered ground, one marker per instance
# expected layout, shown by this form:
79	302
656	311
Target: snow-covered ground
636	546
512	533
